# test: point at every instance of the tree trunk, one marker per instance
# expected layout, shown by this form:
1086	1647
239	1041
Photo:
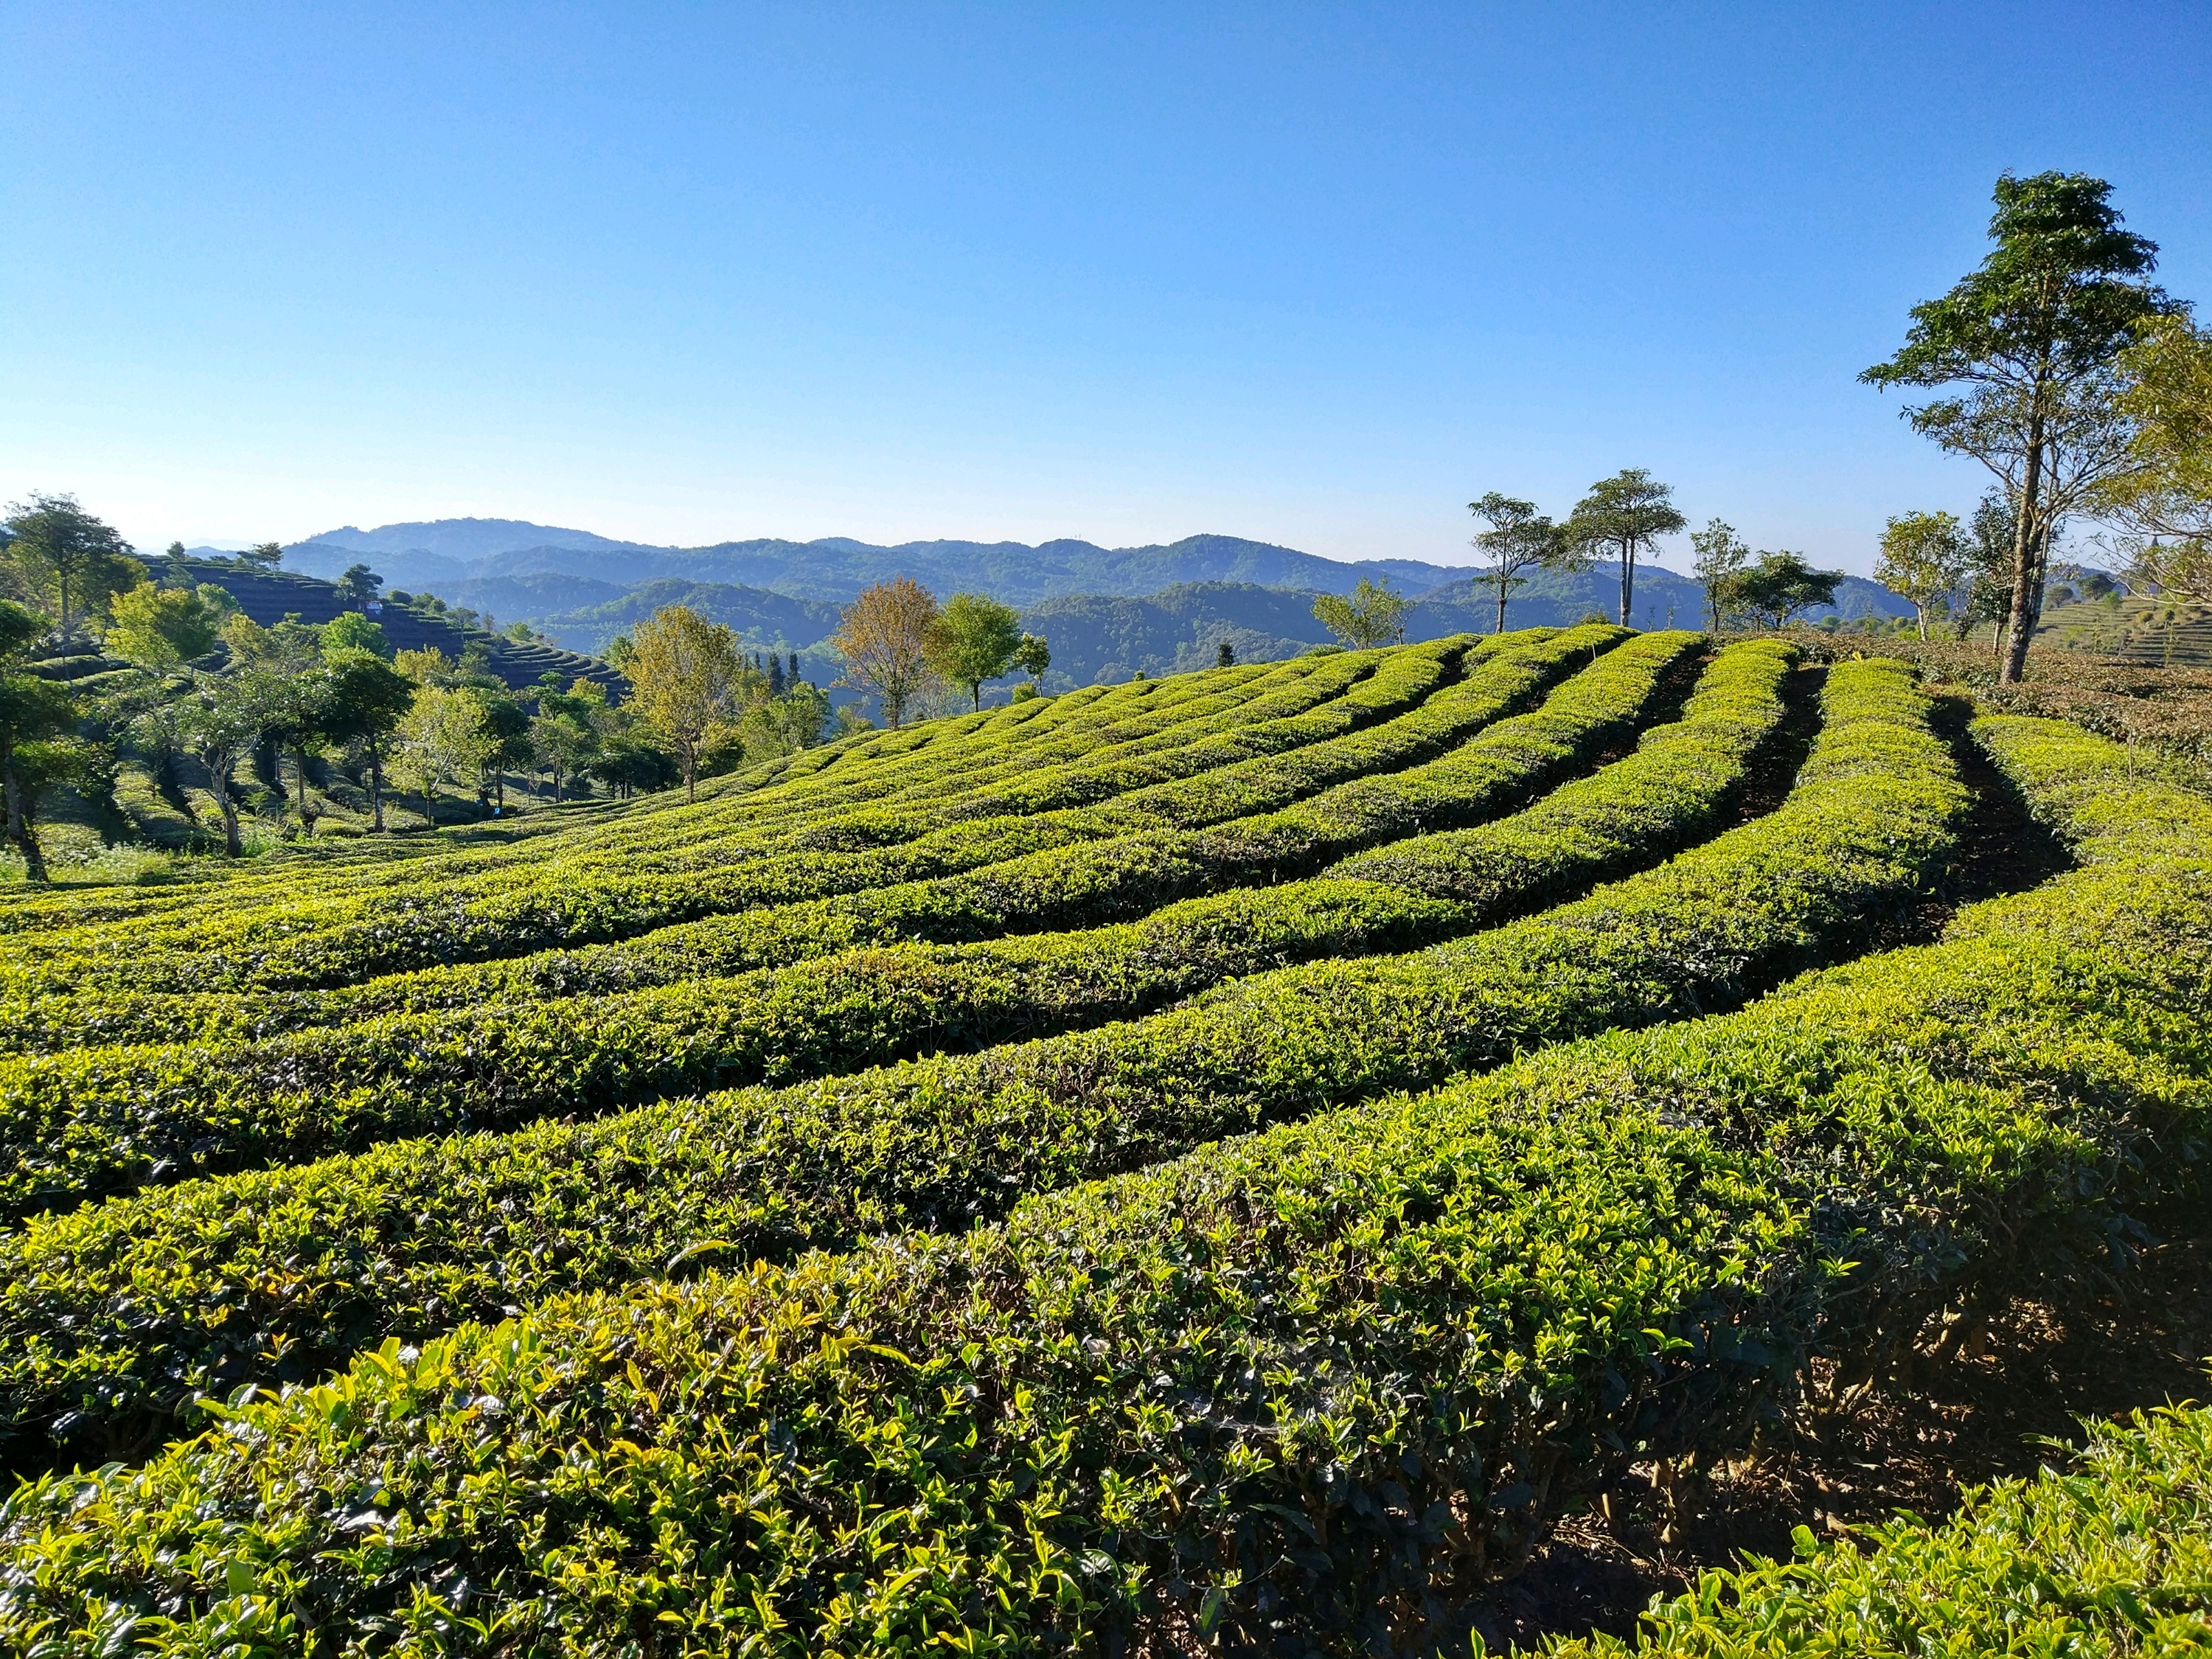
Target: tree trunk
1920	614
2026	587
1627	582
300	767
230	809
1501	607
20	829
376	782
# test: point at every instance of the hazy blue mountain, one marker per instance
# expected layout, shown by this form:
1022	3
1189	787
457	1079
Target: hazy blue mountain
463	539
433	556
519	598
413	570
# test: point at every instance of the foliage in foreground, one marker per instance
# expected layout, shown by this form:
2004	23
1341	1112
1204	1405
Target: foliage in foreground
1300	1388
2110	1555
124	1309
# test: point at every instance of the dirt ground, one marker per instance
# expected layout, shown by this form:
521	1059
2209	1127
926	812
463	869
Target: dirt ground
2031	1379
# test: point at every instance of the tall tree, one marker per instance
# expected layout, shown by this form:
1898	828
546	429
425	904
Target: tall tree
975	640
357	584
34	711
2163	503
1777	586
2032	338
685	679
1924	558
883	636
1718	556
69	561
1519	539
444	738
218	723
364	700
1033	656
1371	615
1623	518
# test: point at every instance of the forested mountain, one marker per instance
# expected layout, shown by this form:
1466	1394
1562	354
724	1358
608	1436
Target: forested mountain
1105	613
429	556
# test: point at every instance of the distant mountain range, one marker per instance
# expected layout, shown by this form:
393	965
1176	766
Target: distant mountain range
1107	612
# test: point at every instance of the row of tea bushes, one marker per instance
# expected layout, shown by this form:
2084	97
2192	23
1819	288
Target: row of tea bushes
331	939
1294	1390
122	1309
659	821
545	906
93	1121
1049	729
1078	886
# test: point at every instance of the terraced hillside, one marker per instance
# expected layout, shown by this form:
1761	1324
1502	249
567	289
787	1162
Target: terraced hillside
1229	1160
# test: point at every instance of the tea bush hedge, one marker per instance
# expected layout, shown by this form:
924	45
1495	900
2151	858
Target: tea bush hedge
1072	886
1293	1390
550	902
2110	1555
125	1308
100	1120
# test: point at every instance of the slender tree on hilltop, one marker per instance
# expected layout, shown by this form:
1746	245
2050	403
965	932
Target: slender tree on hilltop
1925	557
1719	556
975	639
686	678
883	636
2163	504
1622	517
2031	340
1519	539
1033	656
70	562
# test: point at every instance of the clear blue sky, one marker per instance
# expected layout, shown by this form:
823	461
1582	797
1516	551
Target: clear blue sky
1313	275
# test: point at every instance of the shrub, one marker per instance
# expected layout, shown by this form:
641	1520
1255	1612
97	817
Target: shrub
2111	1556
1292	1390
124	1307
100	1120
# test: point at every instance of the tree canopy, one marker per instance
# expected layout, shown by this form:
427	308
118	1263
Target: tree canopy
161	629
686	675
1623	518
1925	557
69	561
2030	341
1519	539
2163	501
975	639
883	636
1371	615
1778	585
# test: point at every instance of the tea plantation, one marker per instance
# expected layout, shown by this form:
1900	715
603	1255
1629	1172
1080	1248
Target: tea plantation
1225	1162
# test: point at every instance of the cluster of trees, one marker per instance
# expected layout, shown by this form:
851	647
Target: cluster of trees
901	646
205	682
1620	522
